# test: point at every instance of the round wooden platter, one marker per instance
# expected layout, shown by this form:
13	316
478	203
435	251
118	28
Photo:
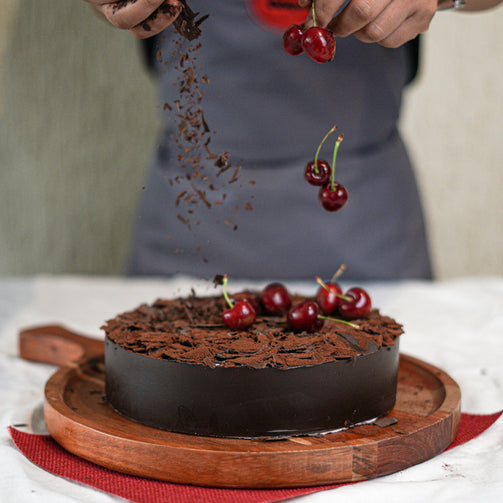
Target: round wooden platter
422	424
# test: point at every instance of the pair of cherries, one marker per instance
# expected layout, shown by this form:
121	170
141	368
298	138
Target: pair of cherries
332	195
310	315
307	315
242	313
318	43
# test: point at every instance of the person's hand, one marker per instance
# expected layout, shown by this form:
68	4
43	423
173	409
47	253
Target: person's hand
143	18
390	23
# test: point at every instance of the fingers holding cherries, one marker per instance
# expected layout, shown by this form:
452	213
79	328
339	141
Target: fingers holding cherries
143	18
390	23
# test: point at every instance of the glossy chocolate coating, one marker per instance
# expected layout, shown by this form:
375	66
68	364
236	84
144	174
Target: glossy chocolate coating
245	402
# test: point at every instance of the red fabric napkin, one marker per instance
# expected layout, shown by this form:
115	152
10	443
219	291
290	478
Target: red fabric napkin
46	453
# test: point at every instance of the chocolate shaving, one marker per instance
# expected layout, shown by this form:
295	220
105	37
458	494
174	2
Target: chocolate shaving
186	23
235	174
193	132
384	422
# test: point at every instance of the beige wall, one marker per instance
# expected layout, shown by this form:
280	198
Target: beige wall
453	123
78	123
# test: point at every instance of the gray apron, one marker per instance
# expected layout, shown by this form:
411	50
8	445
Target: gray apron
271	111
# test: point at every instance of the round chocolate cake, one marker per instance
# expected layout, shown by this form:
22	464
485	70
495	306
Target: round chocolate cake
173	365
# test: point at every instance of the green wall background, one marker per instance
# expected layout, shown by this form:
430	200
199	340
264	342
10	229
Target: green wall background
78	124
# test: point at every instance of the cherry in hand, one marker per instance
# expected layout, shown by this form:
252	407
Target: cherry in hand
275	299
240	315
292	40
356	305
319	44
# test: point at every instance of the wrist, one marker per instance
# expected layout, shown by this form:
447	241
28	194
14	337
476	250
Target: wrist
450	4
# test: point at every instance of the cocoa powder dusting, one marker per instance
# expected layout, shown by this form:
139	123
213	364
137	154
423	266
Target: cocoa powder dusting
191	330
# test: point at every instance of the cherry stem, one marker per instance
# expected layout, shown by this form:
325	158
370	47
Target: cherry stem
314	17
338	273
323	285
226	295
338	320
336	148
316	170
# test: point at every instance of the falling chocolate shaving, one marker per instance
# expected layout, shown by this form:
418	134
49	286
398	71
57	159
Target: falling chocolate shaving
193	137
183	220
235	174
179	196
222	161
202	195
206	128
211	155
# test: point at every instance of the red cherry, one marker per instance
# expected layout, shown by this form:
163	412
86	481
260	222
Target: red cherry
275	299
360	306
333	200
292	40
304	317
319	44
240	316
250	297
320	176
328	298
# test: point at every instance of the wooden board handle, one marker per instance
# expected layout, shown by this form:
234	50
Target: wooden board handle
57	345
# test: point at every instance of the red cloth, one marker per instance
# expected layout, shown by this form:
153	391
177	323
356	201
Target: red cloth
46	453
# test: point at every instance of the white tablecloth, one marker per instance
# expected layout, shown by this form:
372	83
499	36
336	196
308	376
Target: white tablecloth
456	325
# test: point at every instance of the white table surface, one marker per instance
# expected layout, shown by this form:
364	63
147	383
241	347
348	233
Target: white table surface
456	325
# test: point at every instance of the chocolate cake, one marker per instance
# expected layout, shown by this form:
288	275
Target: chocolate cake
173	365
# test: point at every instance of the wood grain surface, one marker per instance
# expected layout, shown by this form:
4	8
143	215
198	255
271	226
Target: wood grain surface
423	423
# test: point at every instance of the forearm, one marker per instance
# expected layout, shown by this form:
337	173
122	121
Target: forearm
479	5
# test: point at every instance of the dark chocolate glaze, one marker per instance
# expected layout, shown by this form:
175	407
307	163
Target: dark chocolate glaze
245	402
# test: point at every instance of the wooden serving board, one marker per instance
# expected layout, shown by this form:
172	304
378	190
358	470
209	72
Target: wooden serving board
424	421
